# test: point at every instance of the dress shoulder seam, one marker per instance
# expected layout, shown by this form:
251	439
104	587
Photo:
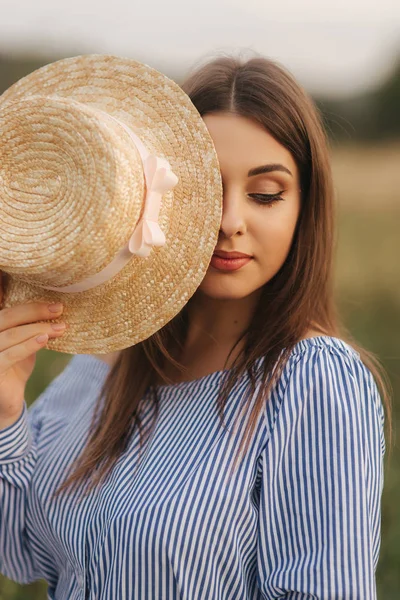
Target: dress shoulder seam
295	358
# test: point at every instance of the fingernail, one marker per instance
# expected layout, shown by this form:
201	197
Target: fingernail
55	308
42	338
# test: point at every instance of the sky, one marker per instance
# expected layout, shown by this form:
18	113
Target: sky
337	47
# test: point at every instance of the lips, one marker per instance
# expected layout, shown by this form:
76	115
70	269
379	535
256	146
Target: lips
230	255
233	263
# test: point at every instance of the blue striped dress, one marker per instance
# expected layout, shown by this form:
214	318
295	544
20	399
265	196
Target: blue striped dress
300	518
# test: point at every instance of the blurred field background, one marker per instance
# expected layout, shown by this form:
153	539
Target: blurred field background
365	138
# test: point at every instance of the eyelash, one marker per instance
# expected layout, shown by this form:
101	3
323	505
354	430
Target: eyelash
273	198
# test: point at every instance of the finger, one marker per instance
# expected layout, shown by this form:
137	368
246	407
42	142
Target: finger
13	355
22	314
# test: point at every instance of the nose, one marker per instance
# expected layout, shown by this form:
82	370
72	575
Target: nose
233	214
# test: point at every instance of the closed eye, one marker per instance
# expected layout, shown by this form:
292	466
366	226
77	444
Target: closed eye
268	199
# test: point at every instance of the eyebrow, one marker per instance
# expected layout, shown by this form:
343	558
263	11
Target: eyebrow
267	169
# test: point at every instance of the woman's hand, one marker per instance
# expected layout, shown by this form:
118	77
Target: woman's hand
20	339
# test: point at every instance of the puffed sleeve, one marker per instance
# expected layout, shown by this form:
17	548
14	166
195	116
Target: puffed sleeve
21	445
18	456
322	481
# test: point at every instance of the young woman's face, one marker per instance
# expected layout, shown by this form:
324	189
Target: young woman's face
258	226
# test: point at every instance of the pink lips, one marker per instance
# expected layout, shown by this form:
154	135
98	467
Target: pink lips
229	261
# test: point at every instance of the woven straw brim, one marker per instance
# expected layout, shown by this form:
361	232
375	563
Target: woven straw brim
148	292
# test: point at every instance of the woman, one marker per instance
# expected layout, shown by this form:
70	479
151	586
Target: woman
299	514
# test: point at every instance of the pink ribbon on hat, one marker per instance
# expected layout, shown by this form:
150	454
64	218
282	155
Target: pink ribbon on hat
159	179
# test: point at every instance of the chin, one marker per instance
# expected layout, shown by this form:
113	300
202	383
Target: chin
225	291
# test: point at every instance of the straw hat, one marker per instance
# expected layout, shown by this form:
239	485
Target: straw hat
110	198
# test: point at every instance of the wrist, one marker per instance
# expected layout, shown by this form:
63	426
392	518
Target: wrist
7	421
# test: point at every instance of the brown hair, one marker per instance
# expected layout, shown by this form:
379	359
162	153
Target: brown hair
300	296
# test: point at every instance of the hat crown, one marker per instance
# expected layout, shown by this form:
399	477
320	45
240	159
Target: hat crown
71	187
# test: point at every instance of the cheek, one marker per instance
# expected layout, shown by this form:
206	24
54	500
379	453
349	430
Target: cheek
274	233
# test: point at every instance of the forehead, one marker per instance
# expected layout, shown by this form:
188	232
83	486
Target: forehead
242	143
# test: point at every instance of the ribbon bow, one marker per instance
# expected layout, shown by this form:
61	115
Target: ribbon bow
159	179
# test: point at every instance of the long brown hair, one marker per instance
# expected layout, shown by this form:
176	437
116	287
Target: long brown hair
300	296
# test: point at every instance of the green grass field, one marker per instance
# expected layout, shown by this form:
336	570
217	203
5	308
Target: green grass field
368	290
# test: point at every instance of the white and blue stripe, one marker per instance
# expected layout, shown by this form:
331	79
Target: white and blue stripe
299	519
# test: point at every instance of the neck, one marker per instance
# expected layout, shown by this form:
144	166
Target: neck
218	323
214	327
